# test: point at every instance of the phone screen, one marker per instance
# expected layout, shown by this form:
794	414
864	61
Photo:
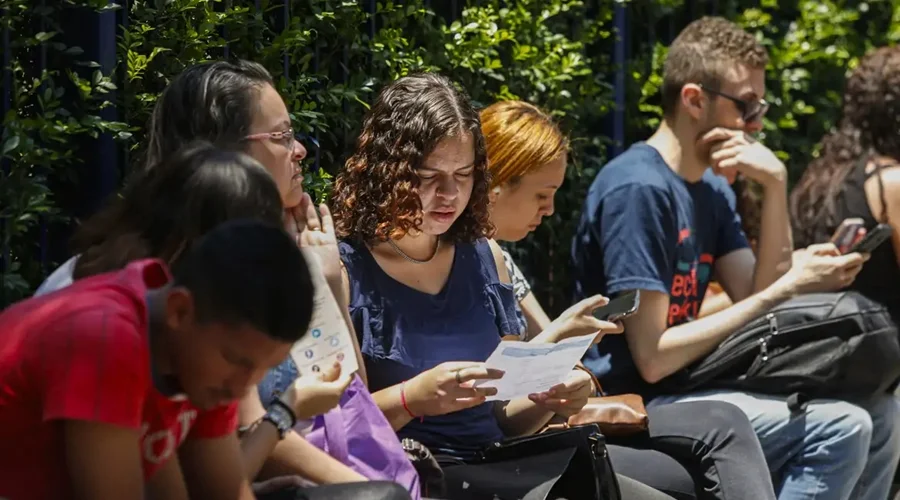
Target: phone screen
846	233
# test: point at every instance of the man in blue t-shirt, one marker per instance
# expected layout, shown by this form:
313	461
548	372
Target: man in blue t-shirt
661	219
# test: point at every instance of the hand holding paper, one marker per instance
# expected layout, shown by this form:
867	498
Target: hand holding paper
328	339
449	387
533	368
569	397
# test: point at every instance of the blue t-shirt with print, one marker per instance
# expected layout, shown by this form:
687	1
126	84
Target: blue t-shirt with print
644	227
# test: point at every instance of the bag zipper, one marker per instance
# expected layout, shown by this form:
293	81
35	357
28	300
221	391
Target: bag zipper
764	340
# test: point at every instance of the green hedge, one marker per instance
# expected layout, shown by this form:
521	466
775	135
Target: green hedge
555	53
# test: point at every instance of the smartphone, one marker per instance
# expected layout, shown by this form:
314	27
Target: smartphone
874	238
845	234
620	307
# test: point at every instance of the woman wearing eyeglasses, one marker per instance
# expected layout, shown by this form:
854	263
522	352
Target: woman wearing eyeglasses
234	106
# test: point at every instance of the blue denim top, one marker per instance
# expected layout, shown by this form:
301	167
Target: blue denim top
404	332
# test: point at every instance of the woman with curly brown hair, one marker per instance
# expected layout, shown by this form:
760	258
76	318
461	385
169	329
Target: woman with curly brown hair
430	297
858	175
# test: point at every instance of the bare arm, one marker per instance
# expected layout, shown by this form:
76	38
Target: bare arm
295	455
168	482
776	245
519	417
391	404
736	151
258	443
266	456
104	461
659	352
537	319
714	302
212	468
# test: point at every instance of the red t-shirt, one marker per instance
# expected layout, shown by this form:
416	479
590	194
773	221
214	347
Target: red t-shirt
82	353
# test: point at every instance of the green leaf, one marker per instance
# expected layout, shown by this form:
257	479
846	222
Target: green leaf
43	36
10	144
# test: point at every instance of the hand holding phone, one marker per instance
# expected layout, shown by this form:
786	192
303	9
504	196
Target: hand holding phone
580	319
620	307
874	238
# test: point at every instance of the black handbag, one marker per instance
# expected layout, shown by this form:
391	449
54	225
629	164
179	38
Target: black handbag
571	463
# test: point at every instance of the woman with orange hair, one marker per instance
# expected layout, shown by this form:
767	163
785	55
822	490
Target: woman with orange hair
527	158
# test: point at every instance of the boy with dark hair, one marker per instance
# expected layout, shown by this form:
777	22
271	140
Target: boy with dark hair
658	219
125	384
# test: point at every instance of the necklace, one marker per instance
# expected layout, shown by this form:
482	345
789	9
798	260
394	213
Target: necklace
410	259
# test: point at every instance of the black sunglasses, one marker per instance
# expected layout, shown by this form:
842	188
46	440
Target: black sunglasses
750	111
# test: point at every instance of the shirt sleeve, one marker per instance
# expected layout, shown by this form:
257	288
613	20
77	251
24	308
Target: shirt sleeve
215	423
521	287
95	367
637	233
730	234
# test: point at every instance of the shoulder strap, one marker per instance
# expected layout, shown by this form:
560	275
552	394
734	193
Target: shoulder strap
877	172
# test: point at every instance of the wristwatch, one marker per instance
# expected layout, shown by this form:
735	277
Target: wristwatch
281	417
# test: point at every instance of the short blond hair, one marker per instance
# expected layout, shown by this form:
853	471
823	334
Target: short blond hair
519	138
703	52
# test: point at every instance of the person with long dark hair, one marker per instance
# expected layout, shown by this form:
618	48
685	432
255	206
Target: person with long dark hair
857	174
234	106
126	383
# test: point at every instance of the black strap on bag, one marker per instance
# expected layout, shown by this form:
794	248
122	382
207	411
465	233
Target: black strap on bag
572	463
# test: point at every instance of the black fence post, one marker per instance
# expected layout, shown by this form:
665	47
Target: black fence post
620	20
95	32
5	168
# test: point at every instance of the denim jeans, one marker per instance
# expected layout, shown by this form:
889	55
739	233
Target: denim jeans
834	450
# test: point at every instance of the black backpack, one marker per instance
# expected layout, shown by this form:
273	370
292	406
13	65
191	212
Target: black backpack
834	345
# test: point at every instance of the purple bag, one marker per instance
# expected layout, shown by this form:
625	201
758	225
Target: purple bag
359	436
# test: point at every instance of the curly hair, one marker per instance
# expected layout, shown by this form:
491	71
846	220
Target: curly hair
703	53
870	120
749	198
376	195
520	138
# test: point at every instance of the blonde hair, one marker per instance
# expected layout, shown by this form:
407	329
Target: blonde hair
519	138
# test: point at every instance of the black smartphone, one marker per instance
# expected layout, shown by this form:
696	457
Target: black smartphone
620	307
878	235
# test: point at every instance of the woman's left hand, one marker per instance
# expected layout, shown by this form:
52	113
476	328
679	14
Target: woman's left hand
567	398
579	320
316	234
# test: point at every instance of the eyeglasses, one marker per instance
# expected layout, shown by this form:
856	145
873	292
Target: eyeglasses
285	137
751	111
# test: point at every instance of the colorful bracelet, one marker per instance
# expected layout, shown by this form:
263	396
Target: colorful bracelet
406	406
